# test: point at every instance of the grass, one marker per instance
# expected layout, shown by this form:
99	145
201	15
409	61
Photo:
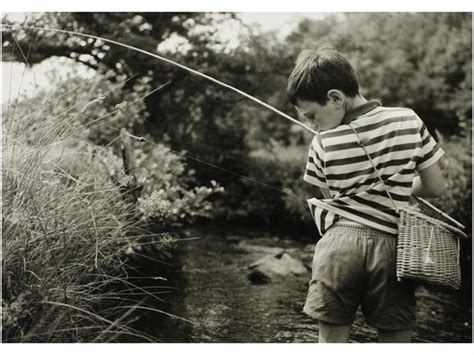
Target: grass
66	232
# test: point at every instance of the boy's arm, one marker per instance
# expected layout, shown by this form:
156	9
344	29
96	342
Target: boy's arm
314	173
430	183
325	192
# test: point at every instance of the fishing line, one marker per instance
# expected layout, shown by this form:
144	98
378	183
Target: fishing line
188	156
243	177
199	160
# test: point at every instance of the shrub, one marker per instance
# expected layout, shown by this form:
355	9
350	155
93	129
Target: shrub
457	170
67	229
65	226
168	200
457	202
281	167
100	103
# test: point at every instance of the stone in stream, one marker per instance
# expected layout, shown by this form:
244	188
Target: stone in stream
279	264
259	278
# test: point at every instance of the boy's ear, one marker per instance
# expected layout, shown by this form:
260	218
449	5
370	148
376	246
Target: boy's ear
337	97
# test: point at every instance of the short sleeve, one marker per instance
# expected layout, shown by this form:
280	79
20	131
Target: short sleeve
314	167
431	151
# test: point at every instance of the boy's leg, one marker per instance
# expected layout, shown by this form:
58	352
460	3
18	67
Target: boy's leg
332	333
336	285
395	336
389	305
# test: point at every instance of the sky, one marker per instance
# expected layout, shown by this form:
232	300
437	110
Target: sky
267	20
277	20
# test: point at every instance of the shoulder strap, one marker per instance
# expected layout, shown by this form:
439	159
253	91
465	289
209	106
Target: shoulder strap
359	142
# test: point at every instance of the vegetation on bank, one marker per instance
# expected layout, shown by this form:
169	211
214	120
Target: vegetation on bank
69	226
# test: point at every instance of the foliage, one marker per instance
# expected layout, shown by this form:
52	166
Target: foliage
284	198
190	114
68	231
98	105
457	171
420	60
65	226
167	199
457	201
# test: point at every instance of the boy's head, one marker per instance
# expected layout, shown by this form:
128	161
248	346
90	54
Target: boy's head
321	84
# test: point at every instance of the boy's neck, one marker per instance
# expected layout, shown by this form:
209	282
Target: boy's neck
353	102
351	105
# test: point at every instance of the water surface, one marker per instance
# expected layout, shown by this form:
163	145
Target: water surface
214	293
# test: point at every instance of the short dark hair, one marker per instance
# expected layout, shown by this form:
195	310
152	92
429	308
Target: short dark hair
318	71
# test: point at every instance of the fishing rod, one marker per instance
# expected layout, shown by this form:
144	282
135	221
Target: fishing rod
187	156
230	87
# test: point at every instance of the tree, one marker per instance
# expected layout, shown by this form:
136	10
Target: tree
192	114
420	60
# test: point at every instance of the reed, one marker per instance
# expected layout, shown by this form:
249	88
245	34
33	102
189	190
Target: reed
66	232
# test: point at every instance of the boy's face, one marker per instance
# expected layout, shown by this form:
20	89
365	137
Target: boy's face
321	117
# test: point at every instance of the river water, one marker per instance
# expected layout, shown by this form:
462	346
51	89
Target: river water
220	305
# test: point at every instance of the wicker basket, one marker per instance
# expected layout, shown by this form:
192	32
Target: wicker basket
428	248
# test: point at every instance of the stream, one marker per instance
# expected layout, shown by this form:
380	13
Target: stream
221	305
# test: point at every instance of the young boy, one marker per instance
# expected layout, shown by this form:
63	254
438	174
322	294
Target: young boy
354	262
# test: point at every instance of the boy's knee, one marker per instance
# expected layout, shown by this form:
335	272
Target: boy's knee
333	333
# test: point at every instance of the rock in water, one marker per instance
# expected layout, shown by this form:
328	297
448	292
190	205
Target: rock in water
280	264
258	277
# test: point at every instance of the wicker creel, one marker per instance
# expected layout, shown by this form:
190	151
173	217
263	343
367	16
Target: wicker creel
428	247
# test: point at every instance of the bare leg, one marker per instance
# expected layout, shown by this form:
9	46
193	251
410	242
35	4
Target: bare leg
395	336
331	333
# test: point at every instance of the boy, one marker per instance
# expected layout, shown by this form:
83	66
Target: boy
354	262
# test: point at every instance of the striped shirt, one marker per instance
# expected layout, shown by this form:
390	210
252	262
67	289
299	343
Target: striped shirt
399	145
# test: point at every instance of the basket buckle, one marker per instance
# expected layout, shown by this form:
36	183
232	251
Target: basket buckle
428	259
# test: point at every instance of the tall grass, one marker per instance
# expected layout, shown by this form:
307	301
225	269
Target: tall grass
66	231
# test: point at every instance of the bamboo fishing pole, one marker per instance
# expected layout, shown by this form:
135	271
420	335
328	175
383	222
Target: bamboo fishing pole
260	102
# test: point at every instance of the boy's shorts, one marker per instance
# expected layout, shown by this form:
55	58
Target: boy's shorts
356	265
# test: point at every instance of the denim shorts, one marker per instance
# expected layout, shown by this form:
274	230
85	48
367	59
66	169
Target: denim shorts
354	265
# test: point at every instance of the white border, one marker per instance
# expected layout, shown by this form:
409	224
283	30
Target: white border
238	349
238	5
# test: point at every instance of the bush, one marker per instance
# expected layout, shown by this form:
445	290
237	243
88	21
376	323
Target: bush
457	171
281	167
168	199
100	103
457	202
67	228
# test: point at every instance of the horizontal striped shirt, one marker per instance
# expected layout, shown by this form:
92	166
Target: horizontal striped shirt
399	145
